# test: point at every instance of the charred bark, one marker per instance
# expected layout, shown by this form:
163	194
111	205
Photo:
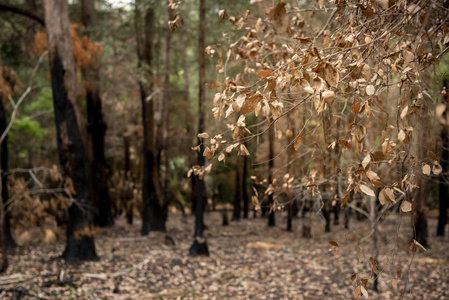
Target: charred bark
80	242
443	184
200	248
164	109
271	216
245	188
152	215
238	196
9	240
96	129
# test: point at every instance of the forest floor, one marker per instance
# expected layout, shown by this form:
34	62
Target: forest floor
248	260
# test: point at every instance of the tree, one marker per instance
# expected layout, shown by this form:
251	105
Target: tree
80	241
96	128
339	65
164	108
443	184
200	247
9	240
153	216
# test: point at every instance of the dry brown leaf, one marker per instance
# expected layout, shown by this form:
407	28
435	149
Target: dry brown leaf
372	176
357	291
370	90
263	73
360	254
331	75
203	135
406	206
366	161
297	143
345	144
333	243
367	190
251	103
437	169
425	169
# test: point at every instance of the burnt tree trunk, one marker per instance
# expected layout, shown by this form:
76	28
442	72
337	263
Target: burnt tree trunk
200	247
443	184
290	151
271	216
238	188
245	188
152	216
80	242
162	128
9	240
96	129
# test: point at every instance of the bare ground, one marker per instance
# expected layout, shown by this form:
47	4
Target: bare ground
248	261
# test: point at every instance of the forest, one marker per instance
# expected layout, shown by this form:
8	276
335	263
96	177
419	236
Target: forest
224	149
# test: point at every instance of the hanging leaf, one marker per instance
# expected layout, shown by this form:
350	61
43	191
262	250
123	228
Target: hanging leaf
401	135
364	291
309	90
321	3
297	143
372	176
436	169
222	14
263	73
331	75
203	135
404	112
366	161
367	190
370	89
386	196
357	291
406	206
360	254
425	169
212	86
345	144
333	243
251	103
328	96
432	155
344	201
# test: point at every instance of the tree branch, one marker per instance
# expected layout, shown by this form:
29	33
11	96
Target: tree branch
23	12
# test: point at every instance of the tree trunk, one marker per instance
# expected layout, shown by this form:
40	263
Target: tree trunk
200	248
245	188
290	151
4	170
238	188
164	108
271	216
96	128
80	242
443	186
152	216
